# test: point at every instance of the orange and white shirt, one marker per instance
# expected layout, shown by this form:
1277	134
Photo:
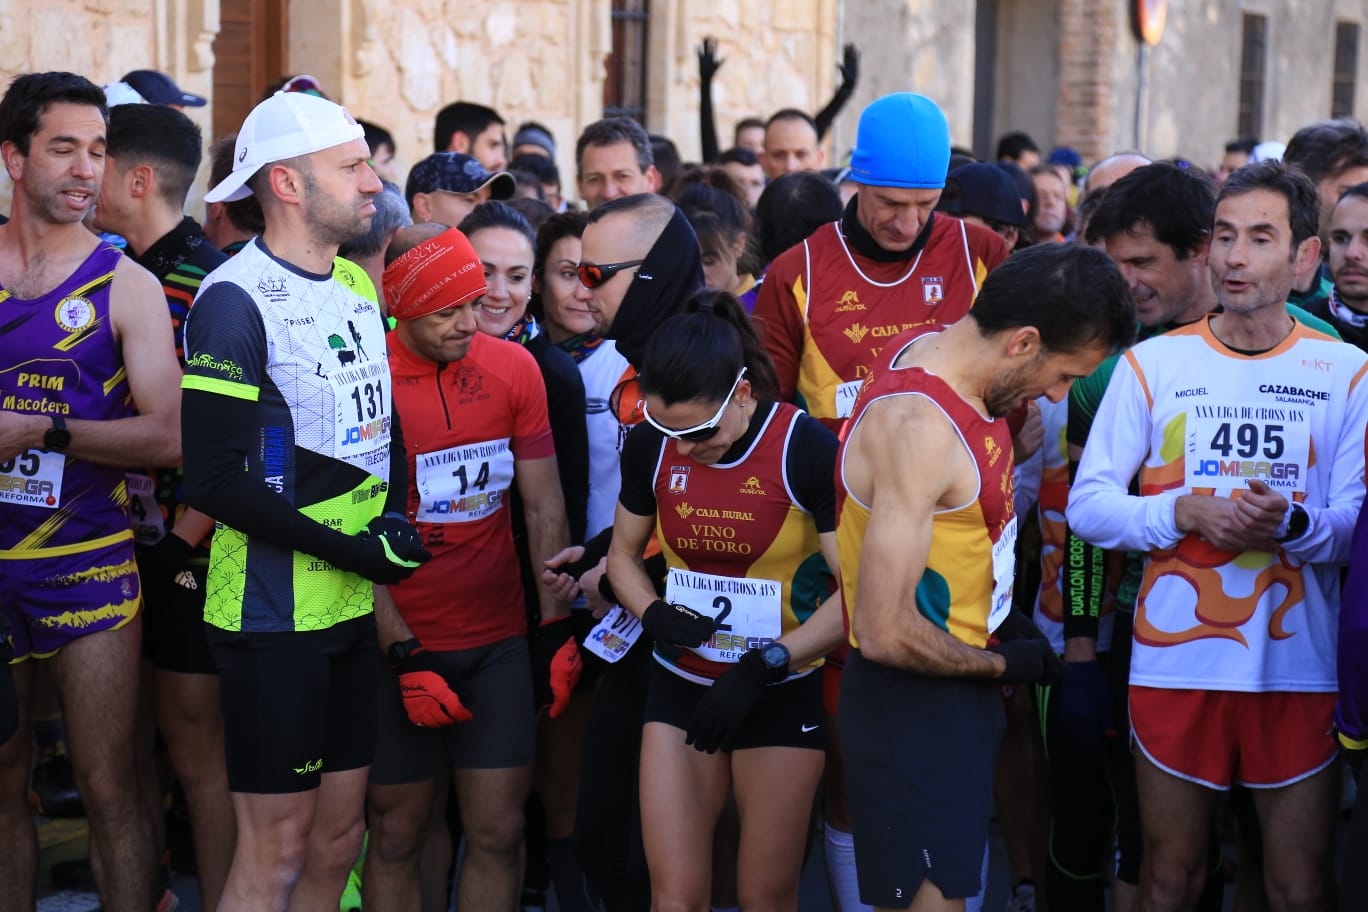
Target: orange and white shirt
1192	416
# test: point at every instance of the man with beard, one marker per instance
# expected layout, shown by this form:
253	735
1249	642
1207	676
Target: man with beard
926	534
1347	306
292	446
87	389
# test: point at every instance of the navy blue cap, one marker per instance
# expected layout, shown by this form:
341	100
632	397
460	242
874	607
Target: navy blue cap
984	190
457	173
158	88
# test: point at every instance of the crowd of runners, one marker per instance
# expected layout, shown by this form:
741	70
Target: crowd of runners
469	535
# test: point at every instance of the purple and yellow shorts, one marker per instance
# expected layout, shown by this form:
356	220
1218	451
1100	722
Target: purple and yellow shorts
47	602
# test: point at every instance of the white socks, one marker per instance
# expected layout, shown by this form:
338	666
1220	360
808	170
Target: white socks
840	862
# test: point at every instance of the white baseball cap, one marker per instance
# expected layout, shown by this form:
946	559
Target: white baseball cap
286	125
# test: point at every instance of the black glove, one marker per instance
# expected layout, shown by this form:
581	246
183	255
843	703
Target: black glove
1086	713
1017	626
158	566
718	716
850	66
388	551
1029	661
708	61
672	626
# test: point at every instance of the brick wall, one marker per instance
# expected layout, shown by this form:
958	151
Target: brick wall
1088	38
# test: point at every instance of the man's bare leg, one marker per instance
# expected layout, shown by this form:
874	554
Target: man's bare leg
398	818
334	841
272	840
191	720
97	677
1298	828
491	802
18	837
1175	816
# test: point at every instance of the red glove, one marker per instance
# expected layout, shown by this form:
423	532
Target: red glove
566	668
556	664
428	698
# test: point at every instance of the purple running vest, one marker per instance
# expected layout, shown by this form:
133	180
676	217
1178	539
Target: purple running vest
58	356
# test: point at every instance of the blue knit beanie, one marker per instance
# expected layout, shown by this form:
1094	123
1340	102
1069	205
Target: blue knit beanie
903	141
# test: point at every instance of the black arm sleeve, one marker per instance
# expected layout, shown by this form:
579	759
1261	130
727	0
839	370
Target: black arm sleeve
570	432
396	498
810	465
1084	575
215	433
827	116
707	122
640	454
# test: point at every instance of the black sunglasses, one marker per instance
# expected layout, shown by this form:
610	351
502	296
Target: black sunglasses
592	275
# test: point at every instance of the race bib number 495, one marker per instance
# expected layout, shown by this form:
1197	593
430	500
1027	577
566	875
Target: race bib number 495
32	478
1230	443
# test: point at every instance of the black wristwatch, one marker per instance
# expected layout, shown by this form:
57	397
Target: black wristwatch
1298	521
400	650
57	438
776	657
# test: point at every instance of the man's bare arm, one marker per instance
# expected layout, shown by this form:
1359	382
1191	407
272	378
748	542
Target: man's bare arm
150	438
547	531
905	492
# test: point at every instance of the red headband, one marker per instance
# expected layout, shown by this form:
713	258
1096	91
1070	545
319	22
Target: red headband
441	272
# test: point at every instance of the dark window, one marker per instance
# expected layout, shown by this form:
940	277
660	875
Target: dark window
624	91
1253	54
1346	69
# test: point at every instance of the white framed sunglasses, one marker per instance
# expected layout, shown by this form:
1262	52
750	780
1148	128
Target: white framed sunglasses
697	433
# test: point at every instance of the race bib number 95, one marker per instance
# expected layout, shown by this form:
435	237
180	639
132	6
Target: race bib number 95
1229	444
32	478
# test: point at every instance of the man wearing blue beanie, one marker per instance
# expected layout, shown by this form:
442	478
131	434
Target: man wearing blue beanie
888	265
828	305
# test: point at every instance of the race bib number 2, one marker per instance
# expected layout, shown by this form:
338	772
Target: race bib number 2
1229	444
748	612
32	478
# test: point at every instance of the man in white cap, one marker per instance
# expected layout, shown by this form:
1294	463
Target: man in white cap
292	447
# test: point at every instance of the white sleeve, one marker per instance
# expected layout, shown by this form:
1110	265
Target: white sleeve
1102	511
1329	536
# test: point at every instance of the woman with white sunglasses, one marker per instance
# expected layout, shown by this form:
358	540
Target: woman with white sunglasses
739	490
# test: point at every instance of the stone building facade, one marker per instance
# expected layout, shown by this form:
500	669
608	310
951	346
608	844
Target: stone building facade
1067	71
